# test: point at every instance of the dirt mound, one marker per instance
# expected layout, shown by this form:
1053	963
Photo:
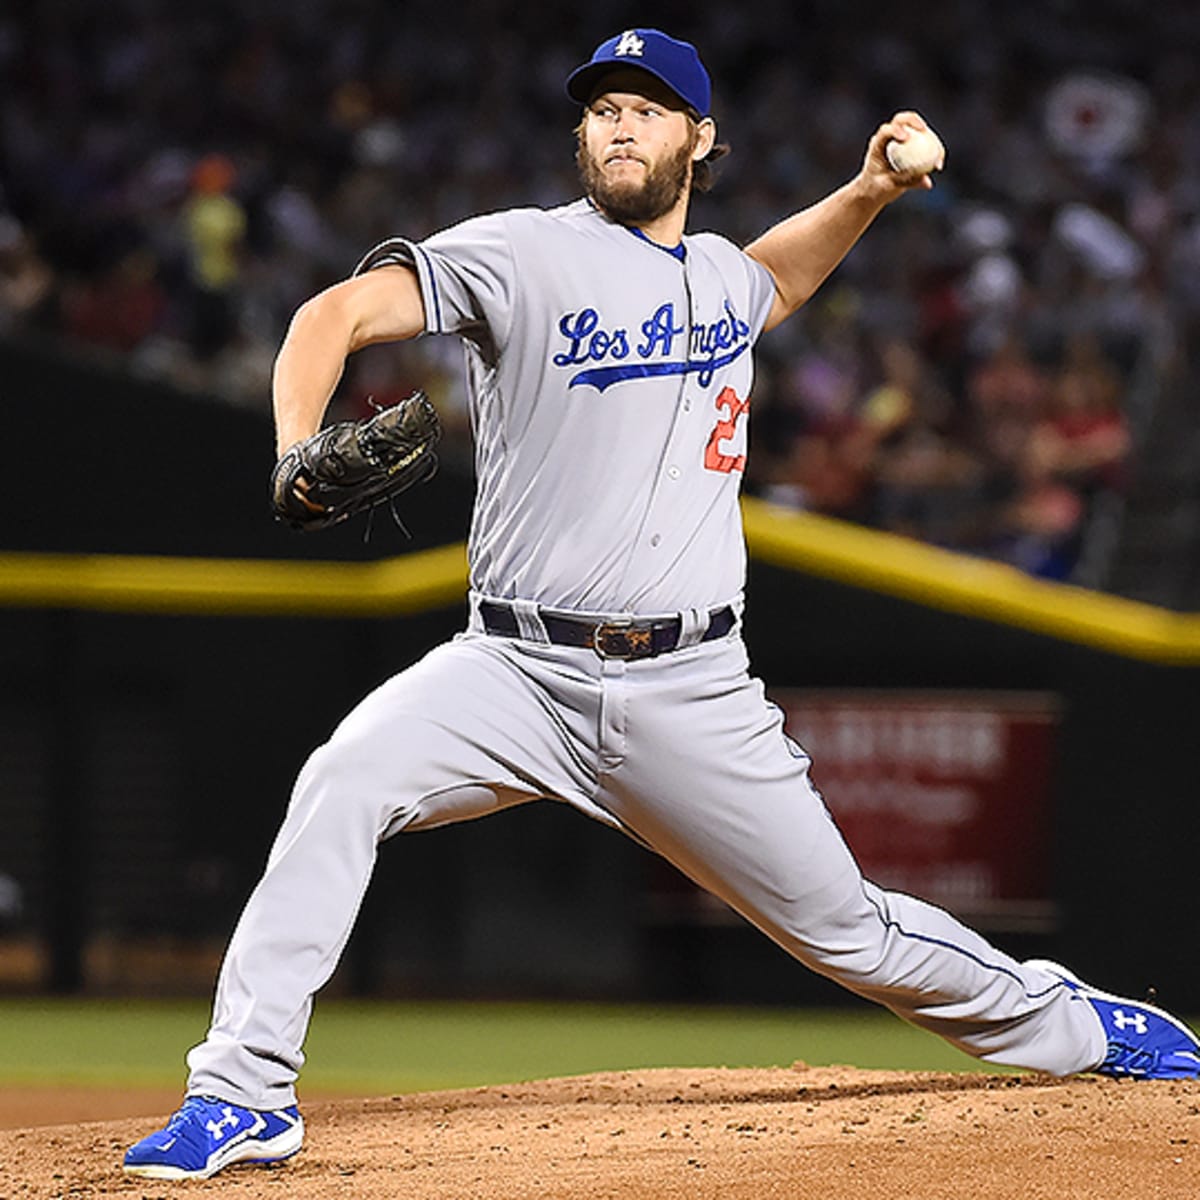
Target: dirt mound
828	1132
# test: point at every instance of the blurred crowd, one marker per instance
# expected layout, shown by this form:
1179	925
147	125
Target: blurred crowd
175	178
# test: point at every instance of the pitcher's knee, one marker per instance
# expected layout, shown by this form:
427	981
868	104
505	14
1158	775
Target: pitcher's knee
336	783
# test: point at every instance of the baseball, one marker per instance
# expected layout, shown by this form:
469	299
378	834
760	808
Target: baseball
921	153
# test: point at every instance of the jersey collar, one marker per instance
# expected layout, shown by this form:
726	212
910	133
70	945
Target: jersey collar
679	252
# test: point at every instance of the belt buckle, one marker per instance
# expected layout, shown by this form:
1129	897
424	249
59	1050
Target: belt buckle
620	639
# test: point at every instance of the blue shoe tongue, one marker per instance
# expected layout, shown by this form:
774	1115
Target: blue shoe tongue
1135	1059
183	1114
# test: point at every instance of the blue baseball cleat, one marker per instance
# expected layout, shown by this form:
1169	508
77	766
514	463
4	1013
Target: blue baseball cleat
207	1134
1143	1041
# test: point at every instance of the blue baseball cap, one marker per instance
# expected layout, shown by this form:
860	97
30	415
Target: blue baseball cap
673	62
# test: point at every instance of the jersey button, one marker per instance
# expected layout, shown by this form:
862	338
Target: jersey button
673	472
655	540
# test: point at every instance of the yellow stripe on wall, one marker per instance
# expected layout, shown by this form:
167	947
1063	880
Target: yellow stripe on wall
974	587
425	579
431	579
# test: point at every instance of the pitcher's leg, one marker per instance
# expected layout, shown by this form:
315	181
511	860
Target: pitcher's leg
424	749
711	782
932	970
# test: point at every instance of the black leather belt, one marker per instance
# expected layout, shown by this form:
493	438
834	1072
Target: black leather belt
609	639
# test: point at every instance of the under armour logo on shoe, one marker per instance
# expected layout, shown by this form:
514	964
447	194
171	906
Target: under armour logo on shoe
630	43
1135	1021
217	1128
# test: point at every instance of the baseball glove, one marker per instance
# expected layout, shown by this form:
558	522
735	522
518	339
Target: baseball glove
352	466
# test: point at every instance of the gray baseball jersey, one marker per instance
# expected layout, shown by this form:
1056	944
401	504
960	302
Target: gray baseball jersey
621	371
610	382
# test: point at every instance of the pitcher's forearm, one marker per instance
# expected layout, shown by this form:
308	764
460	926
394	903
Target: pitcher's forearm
307	370
801	251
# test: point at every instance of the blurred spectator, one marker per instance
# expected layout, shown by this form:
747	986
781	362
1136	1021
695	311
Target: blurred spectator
992	287
121	307
1082	440
214	229
1076	449
926	480
1006	396
1039	530
27	281
821	454
928	487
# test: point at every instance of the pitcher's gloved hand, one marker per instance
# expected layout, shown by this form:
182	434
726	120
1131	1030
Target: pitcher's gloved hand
352	466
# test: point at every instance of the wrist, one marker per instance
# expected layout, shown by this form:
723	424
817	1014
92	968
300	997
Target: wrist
870	193
291	428
285	440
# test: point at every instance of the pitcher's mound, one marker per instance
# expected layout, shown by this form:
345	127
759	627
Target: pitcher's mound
830	1133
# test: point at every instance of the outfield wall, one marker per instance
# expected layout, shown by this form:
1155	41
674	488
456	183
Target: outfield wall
154	715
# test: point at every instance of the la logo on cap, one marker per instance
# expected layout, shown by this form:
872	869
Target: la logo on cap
630	43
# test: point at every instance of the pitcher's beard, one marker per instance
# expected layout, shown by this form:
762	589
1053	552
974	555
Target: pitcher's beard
632	203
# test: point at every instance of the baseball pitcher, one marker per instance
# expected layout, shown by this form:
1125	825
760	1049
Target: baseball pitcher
609	357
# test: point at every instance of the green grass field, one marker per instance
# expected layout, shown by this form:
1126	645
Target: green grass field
378	1048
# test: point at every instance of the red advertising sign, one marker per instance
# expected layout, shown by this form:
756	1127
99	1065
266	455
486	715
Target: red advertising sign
944	795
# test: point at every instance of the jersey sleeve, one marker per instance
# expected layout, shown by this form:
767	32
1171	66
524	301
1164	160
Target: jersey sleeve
466	274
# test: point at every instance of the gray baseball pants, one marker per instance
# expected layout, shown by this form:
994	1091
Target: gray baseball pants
682	752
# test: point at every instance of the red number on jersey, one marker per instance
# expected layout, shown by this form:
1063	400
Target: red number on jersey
714	460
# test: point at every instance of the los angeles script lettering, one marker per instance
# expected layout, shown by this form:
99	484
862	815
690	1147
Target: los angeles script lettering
589	341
